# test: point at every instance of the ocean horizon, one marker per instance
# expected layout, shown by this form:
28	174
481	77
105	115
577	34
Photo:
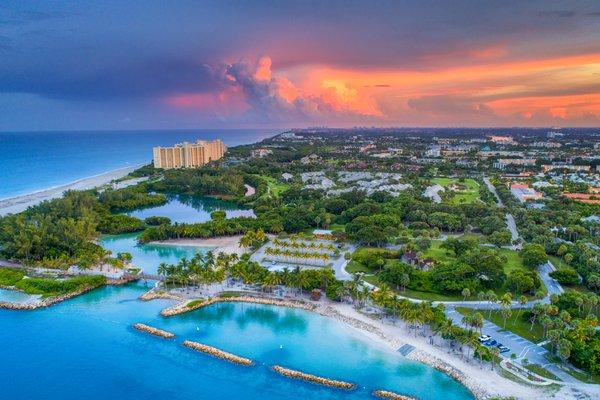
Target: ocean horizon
35	161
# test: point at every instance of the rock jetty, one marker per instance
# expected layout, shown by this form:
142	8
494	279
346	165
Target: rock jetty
154	331
213	351
290	373
385	394
196	304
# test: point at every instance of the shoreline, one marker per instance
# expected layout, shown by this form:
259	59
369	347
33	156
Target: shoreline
387	338
220	244
19	203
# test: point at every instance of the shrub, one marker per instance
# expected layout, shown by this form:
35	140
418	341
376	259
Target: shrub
566	276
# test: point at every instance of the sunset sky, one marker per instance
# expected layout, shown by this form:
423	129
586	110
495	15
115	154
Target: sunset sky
227	64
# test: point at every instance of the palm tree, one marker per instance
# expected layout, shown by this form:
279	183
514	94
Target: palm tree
163	270
466	293
492	298
506	312
522	302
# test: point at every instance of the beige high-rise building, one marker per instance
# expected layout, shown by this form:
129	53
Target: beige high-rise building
188	155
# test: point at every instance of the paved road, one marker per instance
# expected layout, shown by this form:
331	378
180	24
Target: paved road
492	189
512	227
551	284
510	220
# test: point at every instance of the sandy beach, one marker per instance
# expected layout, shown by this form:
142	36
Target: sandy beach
223	244
17	204
389	336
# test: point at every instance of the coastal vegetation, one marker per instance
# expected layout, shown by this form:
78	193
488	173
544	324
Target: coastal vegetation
48	287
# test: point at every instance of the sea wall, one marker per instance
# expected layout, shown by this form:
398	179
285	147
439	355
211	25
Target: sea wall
385	394
153	331
213	351
290	373
478	391
186	307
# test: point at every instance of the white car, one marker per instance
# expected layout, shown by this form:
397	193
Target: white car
484	338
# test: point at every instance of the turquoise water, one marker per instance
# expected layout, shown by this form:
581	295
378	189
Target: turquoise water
14	296
191	209
86	348
32	161
147	256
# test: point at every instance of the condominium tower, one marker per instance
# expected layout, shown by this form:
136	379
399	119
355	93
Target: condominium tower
188	155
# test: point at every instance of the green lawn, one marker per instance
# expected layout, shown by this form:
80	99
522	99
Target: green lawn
354	267
469	194
514	260
275	187
538	369
516	323
584	377
436	252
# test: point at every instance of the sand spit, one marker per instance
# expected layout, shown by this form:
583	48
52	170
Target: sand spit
290	373
213	351
154	331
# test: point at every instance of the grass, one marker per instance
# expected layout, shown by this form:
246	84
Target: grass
513	259
513	262
520	326
538	369
436	252
583	376
9	277
354	267
275	187
468	195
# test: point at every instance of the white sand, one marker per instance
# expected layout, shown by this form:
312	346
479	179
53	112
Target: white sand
20	203
222	244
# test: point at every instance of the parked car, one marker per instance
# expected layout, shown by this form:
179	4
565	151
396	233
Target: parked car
503	349
491	342
484	338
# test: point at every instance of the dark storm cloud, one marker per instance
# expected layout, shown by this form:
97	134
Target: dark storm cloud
135	51
97	55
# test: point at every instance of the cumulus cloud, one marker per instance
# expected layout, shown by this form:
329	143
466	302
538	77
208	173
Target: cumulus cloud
272	98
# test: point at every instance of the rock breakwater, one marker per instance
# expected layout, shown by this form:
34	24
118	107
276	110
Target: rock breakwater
290	373
385	394
213	351
153	331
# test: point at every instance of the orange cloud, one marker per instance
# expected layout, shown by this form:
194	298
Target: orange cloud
493	92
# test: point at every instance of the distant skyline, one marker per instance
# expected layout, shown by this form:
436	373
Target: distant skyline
68	65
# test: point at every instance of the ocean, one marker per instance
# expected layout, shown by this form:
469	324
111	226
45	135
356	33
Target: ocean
32	161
